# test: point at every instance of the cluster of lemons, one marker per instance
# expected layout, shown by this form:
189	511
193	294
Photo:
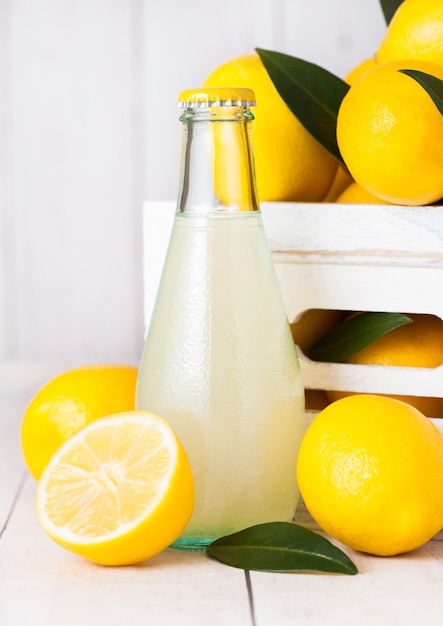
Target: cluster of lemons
114	484
370	467
417	344
389	131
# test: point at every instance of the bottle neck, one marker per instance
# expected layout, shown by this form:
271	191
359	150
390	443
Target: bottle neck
217	167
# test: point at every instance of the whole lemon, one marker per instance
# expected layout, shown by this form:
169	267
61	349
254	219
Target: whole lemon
342	180
370	470
312	324
290	164
390	134
355	194
419	344
415	32
70	401
359	69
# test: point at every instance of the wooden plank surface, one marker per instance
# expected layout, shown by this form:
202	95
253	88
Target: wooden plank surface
89	129
69	192
387	591
13	400
43	585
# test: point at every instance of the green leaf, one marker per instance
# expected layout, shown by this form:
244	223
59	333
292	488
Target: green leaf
280	547
312	94
432	84
354	334
389	7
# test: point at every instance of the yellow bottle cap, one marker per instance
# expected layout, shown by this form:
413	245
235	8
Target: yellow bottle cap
216	97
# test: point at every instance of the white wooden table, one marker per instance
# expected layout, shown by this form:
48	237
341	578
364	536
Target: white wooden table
41	584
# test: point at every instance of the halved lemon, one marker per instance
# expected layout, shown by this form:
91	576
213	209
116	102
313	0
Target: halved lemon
119	491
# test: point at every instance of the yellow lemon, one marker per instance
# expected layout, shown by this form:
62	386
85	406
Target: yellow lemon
415	32
290	164
313	324
342	180
119	491
354	194
370	470
390	135
360	69
70	401
419	344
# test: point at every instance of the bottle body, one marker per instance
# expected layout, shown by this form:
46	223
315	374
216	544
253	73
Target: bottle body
220	366
219	363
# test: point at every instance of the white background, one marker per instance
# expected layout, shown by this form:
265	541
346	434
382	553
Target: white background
89	129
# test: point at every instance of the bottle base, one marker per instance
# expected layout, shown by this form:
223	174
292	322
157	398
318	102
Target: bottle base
198	544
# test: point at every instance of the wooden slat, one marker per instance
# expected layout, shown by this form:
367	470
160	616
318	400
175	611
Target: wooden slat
75	210
89	130
356	234
11	464
384	592
336	34
43	585
395	590
7	218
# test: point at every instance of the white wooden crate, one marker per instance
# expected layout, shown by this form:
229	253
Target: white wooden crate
346	257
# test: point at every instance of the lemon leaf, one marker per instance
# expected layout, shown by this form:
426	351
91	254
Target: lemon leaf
354	334
432	84
389	7
312	93
280	547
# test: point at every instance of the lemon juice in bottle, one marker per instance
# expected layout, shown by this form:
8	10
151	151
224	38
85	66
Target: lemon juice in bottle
219	363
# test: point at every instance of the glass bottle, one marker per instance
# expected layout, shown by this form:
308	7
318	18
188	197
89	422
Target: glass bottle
219	363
